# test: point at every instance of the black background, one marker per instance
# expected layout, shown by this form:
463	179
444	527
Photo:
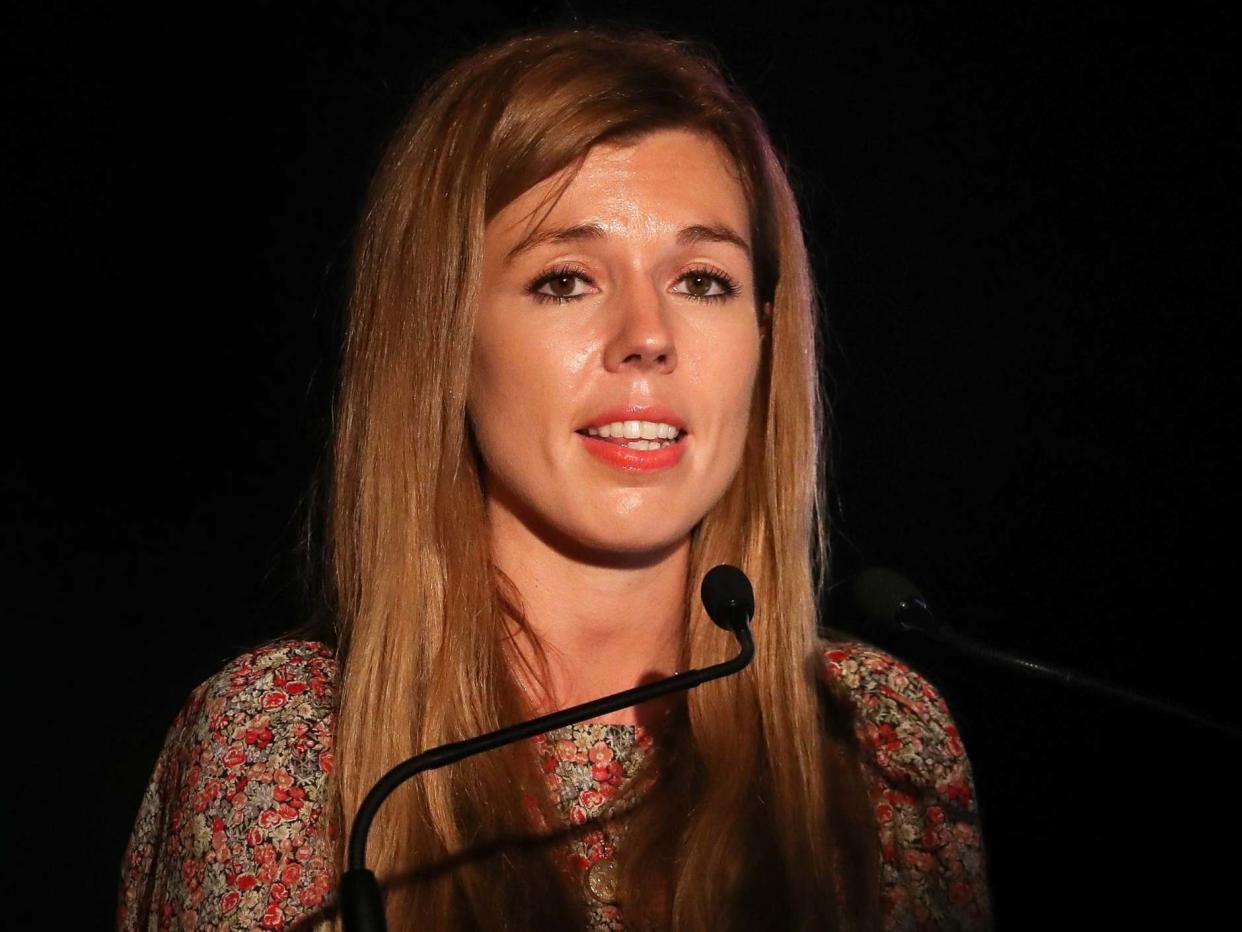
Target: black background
1024	224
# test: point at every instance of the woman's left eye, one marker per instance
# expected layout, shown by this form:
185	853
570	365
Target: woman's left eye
561	285
703	285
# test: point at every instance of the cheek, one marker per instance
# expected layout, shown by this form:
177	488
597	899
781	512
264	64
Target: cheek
519	381
730	378
491	368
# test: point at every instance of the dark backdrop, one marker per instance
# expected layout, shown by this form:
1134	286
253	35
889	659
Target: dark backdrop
1023	227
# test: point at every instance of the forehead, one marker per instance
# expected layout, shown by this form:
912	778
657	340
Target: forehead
662	181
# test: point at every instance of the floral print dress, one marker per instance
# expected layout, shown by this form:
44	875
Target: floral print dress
230	833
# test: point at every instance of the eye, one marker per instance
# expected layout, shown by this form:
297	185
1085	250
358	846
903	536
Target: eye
567	283
560	285
708	285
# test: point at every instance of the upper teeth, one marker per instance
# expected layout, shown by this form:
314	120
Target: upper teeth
635	430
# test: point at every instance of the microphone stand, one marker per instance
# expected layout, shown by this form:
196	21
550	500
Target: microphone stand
361	902
914	615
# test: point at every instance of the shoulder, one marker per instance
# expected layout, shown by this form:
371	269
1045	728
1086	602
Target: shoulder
933	871
231	826
900	718
284	679
270	707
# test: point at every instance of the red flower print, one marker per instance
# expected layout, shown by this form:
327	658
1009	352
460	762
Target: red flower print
577	815
885	737
264	854
260	737
884	813
291	874
295	688
600	773
591	799
295	796
235	756
272	918
919	859
958	792
274	700
229	901
600	753
325	762
310	896
246	882
266	873
898	798
269	818
279	892
565	750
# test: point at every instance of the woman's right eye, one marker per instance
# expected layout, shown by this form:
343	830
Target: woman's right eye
560	285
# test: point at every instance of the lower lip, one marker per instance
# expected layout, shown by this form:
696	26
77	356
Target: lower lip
635	460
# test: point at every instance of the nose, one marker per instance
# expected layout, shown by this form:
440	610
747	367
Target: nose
642	338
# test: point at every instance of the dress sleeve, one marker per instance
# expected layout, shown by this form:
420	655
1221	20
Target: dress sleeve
230	831
932	872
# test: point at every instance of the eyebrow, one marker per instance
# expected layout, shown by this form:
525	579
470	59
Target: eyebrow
687	236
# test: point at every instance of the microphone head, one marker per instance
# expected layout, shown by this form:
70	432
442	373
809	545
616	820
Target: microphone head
728	597
885	594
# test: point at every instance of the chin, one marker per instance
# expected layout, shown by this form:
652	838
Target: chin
613	539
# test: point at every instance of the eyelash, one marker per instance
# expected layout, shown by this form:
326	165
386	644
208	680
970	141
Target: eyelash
729	286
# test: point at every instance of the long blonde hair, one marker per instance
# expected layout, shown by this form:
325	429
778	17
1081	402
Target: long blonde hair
757	809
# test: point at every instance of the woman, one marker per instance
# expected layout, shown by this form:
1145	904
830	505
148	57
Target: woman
580	370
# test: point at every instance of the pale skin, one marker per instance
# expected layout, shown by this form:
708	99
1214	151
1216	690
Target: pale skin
647	315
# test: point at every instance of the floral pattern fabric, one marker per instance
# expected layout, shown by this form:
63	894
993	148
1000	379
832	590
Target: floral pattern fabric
230	832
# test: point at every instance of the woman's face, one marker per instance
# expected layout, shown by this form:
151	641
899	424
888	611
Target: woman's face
632	303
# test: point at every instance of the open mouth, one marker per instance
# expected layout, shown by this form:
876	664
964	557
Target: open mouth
637	435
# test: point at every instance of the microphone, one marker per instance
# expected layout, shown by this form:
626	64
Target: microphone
885	596
729	601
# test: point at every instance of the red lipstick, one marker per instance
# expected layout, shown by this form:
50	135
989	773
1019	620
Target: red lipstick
635	460
626	458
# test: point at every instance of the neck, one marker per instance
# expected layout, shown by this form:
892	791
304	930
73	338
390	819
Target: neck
604	624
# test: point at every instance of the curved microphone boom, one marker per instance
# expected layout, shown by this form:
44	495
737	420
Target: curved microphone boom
729	602
887	597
